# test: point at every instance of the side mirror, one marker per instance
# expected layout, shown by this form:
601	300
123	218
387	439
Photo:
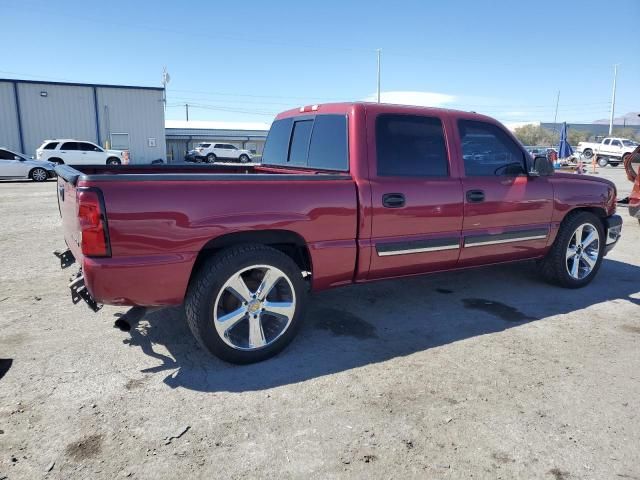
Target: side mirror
541	167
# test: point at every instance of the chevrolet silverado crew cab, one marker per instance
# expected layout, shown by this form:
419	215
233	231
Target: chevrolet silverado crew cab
75	152
212	152
347	193
610	151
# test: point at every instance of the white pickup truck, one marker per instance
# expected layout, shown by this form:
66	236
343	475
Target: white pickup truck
611	150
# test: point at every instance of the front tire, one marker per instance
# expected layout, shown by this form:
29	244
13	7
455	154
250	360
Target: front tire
603	161
576	254
246	303
39	175
113	161
244	158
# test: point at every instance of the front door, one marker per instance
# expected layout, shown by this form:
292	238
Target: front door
507	214
417	200
10	165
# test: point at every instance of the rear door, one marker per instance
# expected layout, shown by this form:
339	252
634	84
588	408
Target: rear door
70	153
417	199
507	214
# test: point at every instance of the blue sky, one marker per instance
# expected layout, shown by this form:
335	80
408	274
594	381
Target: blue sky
247	60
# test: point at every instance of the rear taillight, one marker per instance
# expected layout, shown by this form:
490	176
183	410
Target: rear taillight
94	239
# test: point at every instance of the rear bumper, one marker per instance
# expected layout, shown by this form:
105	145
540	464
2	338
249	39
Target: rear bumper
158	280
613	225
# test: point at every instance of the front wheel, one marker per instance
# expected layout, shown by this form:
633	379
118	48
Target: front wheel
244	158
603	161
246	303
114	161
576	254
39	175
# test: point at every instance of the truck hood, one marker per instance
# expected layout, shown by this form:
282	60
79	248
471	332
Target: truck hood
584	178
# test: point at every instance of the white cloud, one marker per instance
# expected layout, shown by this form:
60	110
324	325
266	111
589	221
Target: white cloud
422	99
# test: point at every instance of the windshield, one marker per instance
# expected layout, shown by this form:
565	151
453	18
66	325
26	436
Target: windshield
204	145
629	143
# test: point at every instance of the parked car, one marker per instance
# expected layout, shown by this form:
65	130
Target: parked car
212	152
378	191
76	152
17	165
611	151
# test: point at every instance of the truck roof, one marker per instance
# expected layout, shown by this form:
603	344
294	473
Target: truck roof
346	107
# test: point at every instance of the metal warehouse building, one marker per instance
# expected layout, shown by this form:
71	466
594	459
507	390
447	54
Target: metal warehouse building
182	136
113	116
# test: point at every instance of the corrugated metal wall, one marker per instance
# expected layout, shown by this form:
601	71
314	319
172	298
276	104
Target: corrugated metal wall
9	134
50	110
65	112
140	113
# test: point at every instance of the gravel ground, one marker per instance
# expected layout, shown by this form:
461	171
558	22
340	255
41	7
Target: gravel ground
487	373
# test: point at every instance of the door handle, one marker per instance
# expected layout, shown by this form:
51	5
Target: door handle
393	200
475	196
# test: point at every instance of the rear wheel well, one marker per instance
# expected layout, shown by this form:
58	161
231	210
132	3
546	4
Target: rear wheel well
289	243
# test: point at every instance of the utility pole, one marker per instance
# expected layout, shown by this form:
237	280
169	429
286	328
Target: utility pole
555	117
379	50
186	108
613	99
165	80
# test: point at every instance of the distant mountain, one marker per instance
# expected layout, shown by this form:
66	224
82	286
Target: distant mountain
630	118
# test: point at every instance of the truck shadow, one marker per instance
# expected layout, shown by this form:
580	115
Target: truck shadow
359	325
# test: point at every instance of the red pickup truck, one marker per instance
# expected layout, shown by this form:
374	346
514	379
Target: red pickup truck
346	193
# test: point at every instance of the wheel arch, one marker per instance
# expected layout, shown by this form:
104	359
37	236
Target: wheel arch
288	242
599	212
36	167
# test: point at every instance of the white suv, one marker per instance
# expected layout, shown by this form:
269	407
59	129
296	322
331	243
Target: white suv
211	152
76	152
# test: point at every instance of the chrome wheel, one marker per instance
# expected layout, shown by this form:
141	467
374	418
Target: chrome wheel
39	175
583	251
254	307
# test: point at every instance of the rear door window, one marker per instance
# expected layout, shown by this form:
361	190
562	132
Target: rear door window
69	146
411	146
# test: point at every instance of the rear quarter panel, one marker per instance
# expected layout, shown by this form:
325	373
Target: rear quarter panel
157	229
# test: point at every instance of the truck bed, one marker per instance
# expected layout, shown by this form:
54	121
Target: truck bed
102	173
159	219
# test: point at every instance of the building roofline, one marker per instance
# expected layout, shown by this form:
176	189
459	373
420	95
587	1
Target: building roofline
74	84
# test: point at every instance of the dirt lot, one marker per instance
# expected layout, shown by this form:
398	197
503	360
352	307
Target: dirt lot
480	374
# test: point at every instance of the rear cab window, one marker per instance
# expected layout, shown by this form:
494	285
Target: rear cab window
314	141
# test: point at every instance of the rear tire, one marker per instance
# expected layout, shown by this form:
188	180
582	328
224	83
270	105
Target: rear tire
557	265
588	153
603	161
211	158
224	315
114	161
39	175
